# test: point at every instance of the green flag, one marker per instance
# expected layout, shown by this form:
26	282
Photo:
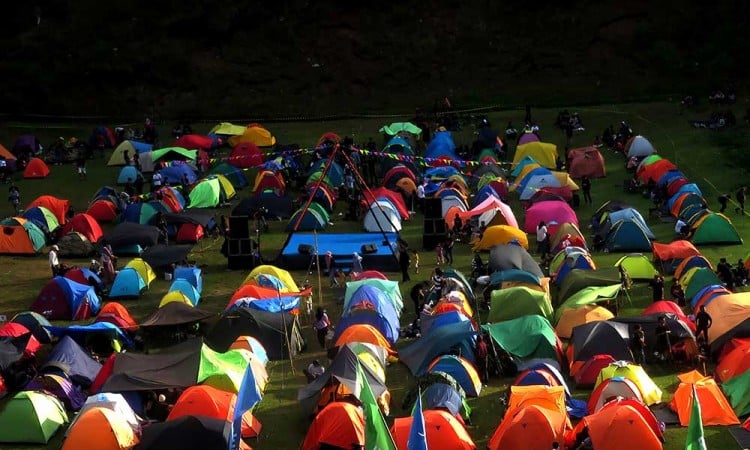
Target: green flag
377	435
695	439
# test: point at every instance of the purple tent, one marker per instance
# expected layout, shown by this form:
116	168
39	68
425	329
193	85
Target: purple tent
61	388
25	143
528	137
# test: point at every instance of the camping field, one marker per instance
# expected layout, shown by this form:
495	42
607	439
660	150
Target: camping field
711	159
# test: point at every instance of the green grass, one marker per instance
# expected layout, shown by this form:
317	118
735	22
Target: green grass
694	151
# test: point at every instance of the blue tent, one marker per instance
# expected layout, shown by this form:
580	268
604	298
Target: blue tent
441	395
138	212
627	236
64	299
440	173
186	288
68	358
578	263
439	341
174	172
128	173
270	281
335	171
389	330
631	214
282	303
399	146
80	333
539	171
720	290
669	176
371	295
454	367
429	321
484	193
192	275
37	216
441	146
128	284
520	165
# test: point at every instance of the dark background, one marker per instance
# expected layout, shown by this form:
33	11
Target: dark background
207	59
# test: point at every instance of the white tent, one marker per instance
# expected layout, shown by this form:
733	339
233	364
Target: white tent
640	147
115	402
451	200
382	216
537	182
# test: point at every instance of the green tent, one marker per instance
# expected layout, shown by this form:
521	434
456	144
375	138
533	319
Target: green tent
31	417
234	175
525	337
50	220
696	279
511	303
228	129
715	228
638	266
400	127
222	370
211	192
737	390
171	153
391	289
579	279
318	208
589	296
314	177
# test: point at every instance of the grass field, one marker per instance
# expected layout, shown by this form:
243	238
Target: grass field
695	152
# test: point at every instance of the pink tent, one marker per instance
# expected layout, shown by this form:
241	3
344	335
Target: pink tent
194	142
490	203
550	212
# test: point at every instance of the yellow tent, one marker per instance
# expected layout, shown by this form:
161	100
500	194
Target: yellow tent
572	317
143	269
283	276
500	234
649	390
226	185
255	134
175	296
228	129
565	180
542	152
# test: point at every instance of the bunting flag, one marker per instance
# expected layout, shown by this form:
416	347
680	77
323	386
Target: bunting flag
417	433
247	397
377	434
695	438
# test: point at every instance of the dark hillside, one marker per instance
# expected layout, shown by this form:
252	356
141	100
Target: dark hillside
243	58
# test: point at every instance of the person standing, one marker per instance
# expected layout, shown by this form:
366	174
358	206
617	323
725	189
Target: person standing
542	239
321	325
662	346
586	188
481	355
741	196
723	200
357	263
638	344
657	287
418	295
14	197
449	249
156	181
81	165
421	195
107	260
54	261
703	322
404	262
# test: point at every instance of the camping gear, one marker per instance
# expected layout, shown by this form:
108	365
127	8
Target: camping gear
31	417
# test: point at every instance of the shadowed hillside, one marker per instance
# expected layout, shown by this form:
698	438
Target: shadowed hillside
243	58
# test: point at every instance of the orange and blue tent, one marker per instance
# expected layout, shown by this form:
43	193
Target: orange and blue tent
461	369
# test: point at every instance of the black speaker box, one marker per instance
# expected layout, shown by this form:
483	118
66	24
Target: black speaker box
369	248
238	247
434	226
429	242
305	249
433	208
239	227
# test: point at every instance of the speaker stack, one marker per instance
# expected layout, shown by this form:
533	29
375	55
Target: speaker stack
242	251
434	224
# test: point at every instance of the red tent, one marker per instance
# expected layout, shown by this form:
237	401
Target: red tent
13	330
194	142
397	200
190	233
58	206
666	306
102	210
36	168
586	162
86	225
246	154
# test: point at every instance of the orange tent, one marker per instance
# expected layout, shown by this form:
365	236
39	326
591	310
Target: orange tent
6	154
675	250
36	168
444	432
339	424
729	312
734	363
618	427
655	170
363	333
715	409
256	134
58	206
535	418
573	317
117	314
208	401
249	343
102	426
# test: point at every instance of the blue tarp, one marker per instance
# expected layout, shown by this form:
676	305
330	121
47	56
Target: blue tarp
68	357
128	284
79	333
439	341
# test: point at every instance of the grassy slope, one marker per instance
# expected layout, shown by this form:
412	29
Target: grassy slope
284	423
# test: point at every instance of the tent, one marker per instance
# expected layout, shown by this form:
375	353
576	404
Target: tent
515	302
526	337
19	236
638	147
128	284
501	234
73	361
588	372
139	212
233	174
255	133
195	142
187	288
627	235
227	129
118	315
573	317
462	370
36	168
211	192
103	210
59	207
669	256
86	225
618	426
441	146
611	388
101	428
543	153
64	299
443	432
586	162
245	154
578	279
715	409
173	314
338	425
59	386
127	234
118	155
689	263
174	172
35	323
534	421
621	369
382	216
511	256
599	338
211	402
31	418
187	433
173	154
714	228
129	174
418	354
696	279
589	296
731	318
637	266
144	270
43	218
548	212
9	157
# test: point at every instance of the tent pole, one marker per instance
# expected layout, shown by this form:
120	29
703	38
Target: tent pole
317	263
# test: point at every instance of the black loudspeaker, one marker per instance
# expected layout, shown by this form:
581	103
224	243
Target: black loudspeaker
239	227
240	247
434	226
305	249
429	242
369	248
433	208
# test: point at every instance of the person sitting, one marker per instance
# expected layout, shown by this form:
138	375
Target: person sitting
314	371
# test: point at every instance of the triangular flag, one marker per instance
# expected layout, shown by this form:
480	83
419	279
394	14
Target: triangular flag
695	438
377	435
417	433
247	397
